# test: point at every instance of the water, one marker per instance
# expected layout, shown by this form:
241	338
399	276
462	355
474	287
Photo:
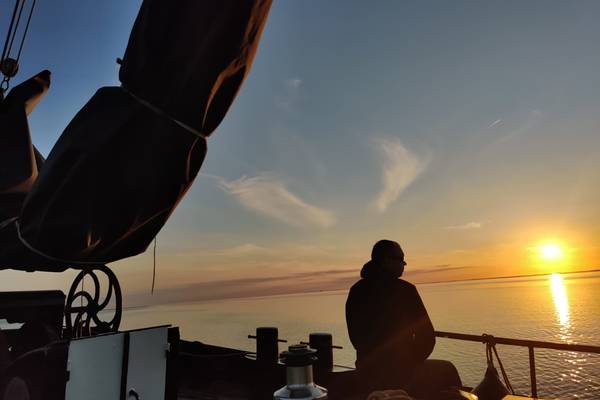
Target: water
551	308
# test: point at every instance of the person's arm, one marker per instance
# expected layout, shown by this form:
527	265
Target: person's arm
352	319
423	332
358	319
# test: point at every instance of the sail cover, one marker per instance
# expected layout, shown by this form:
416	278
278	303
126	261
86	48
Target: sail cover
128	157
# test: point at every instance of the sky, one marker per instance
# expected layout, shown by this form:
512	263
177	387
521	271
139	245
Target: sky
466	131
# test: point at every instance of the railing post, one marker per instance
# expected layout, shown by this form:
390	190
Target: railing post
532	372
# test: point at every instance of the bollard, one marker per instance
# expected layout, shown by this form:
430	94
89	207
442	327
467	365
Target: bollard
267	346
323	344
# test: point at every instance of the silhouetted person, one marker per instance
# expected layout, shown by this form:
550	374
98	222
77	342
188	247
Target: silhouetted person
388	324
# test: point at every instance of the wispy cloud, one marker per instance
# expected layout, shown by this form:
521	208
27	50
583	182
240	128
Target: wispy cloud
495	123
287	97
243	250
435	269
400	168
293	83
268	196
466	226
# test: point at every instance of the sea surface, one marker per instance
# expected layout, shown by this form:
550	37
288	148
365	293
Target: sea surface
557	308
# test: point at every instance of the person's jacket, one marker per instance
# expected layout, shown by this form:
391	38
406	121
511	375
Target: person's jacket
387	321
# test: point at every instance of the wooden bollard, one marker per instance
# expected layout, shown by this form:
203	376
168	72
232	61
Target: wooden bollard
323	343
267	345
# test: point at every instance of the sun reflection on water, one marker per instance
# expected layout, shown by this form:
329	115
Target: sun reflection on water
574	369
561	304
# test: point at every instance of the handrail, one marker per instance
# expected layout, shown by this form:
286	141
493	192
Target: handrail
584	348
530	344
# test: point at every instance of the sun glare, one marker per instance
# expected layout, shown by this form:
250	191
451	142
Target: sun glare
551	252
551	255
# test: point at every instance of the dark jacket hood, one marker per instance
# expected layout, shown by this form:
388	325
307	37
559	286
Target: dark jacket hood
372	269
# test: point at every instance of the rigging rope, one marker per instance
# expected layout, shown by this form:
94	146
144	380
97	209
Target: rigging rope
26	30
10	29
14	32
9	66
490	350
154	268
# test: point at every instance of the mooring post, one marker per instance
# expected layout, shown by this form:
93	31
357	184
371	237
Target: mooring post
267	345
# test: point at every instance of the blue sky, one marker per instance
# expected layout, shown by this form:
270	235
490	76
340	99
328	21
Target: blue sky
466	130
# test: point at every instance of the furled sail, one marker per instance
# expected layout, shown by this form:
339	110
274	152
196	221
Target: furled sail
20	161
128	157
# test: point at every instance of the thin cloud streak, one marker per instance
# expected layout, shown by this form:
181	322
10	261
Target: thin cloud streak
298	282
243	250
436	269
496	122
268	196
293	83
465	226
533	118
400	168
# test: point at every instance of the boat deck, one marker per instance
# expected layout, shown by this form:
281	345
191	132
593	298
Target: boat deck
208	372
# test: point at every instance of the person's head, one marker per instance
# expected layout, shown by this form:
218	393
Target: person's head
389	255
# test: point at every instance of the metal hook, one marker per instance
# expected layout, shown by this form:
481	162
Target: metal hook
4	84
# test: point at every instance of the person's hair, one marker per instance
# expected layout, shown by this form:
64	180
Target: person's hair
384	248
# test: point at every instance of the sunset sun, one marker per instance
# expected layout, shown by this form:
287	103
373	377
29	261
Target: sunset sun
552	255
550	252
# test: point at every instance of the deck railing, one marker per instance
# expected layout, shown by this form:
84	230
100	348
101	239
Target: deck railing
530	344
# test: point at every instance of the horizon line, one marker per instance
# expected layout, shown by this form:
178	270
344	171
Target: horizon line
510	276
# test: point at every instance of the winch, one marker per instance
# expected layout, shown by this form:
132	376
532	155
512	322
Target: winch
300	384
